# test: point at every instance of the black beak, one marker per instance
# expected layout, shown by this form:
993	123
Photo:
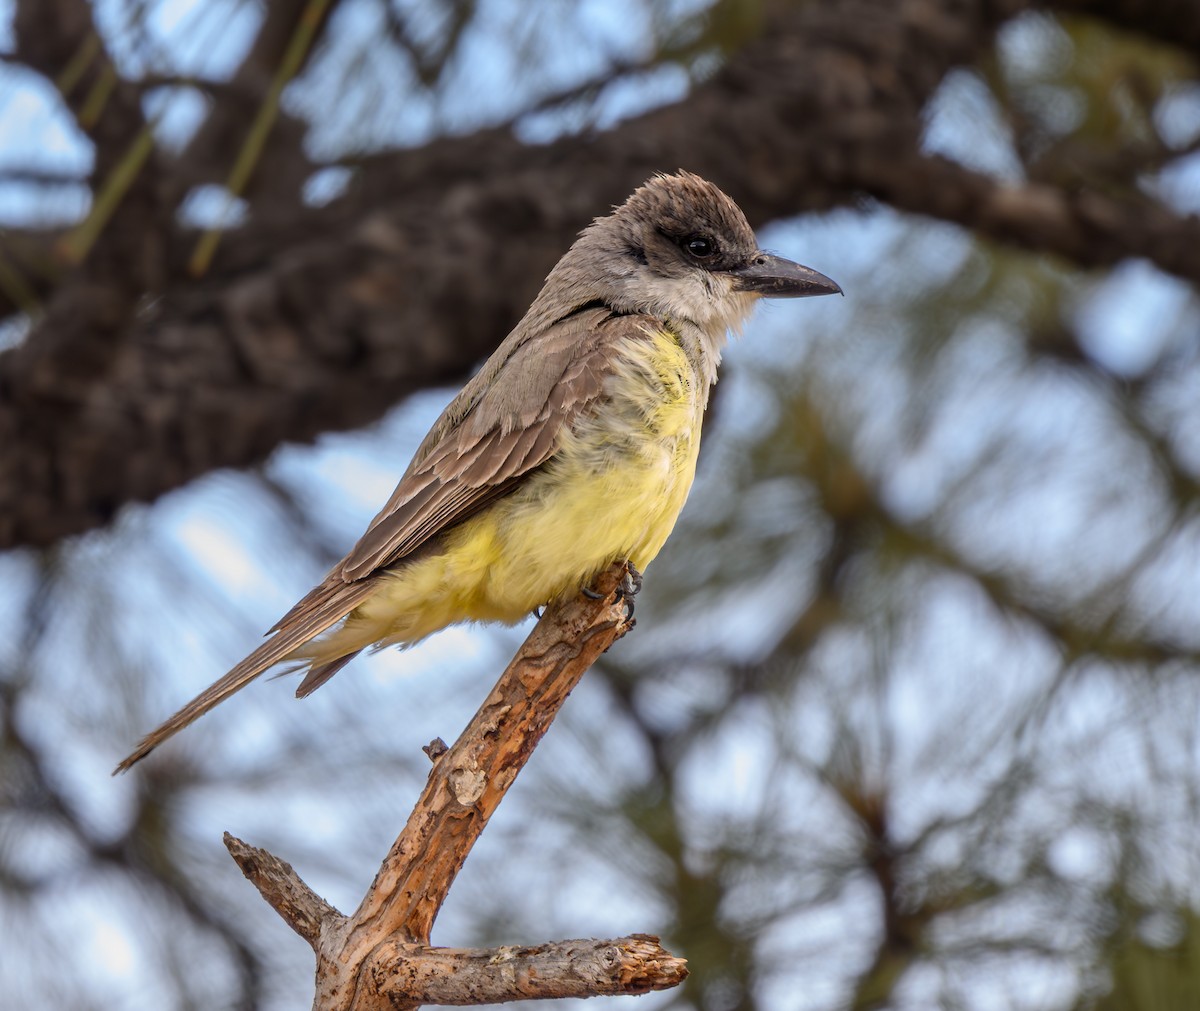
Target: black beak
775	277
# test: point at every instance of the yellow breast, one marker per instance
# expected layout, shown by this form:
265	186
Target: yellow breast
613	490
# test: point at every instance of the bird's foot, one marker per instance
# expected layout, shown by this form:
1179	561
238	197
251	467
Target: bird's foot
629	587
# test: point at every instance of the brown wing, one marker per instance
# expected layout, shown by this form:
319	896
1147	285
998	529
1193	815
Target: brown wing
505	423
512	429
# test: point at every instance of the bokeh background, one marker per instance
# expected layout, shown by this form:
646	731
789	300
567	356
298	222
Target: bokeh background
910	717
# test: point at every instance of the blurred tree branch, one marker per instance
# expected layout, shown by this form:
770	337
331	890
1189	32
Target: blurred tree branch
189	375
279	171
1089	228
34	789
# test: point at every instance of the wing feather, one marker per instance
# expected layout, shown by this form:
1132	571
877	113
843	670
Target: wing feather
510	430
503	425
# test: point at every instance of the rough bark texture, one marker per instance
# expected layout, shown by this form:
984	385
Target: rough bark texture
318	319
301	908
580	968
379	957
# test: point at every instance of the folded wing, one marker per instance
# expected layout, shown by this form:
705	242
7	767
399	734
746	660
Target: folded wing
505	424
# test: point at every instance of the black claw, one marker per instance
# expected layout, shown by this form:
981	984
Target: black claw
538	612
631	584
629	587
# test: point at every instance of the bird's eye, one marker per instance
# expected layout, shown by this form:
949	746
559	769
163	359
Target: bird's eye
699	246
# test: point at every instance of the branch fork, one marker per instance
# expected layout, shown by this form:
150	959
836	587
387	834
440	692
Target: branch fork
380	956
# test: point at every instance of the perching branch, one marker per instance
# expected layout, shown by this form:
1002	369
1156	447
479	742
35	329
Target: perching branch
380	956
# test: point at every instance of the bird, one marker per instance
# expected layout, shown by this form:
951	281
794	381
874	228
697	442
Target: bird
572	448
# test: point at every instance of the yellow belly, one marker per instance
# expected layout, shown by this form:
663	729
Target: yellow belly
613	491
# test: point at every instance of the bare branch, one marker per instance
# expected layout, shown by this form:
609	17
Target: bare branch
379	957
469	781
301	908
579	968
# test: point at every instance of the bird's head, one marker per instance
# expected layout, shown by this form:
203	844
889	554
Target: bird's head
680	248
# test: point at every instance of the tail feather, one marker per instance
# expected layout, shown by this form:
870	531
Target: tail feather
321	608
318	675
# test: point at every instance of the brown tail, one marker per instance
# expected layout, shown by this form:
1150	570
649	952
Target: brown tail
317	676
324	605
